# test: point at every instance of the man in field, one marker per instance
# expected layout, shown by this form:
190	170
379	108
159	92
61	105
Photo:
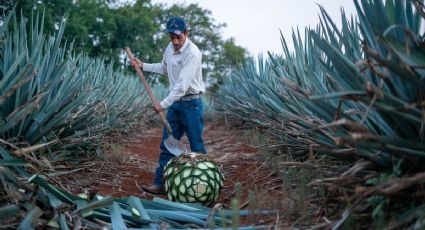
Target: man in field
182	64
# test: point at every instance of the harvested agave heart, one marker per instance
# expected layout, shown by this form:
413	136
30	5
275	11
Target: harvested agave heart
192	178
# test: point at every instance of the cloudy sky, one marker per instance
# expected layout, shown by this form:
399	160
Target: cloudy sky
256	24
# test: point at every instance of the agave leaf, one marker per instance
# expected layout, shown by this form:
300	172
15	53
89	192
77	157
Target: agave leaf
19	114
332	29
54	201
174	205
116	218
29	221
410	117
95	205
10	210
179	217
62	195
62	222
105	216
18	59
365	25
342	65
413	55
406	152
137	204
9	90
6	20
8	175
13	162
408	215
204	215
338	95
53	223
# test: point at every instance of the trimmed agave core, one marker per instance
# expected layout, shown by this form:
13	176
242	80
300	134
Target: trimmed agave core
192	178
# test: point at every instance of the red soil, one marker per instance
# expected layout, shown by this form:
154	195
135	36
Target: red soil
135	163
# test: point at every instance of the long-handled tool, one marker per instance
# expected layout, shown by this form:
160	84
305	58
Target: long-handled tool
172	144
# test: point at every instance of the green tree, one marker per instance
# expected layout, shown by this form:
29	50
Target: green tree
138	27
220	56
53	10
230	58
91	25
105	27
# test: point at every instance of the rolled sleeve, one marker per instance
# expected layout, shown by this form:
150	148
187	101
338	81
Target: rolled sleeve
164	104
159	68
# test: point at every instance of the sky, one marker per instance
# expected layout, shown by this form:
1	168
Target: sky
256	24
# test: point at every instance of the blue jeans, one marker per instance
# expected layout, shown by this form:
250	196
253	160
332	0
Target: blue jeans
184	117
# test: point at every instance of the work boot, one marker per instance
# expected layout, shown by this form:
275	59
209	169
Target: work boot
154	189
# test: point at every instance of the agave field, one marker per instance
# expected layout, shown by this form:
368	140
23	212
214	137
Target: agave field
338	122
57	106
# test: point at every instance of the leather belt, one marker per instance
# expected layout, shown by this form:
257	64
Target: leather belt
190	97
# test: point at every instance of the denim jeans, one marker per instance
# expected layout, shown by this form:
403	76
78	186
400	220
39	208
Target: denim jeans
184	117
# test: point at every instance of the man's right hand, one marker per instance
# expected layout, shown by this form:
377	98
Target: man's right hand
136	62
157	107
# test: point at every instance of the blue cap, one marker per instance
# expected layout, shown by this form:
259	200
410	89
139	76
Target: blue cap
176	25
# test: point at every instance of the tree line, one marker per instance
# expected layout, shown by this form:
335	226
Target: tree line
104	27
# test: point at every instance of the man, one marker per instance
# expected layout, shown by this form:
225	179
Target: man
182	63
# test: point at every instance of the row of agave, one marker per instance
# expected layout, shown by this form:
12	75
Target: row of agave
50	95
354	92
58	105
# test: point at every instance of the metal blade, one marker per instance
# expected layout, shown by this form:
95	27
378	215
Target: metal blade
174	146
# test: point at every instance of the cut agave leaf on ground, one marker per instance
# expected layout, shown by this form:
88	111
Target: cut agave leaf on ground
62	222
62	195
105	202
175	216
13	162
116	218
10	210
31	218
137	204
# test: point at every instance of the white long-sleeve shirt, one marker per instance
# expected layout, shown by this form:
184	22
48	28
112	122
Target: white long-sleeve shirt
184	71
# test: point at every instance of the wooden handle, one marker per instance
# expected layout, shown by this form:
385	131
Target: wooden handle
167	125
148	89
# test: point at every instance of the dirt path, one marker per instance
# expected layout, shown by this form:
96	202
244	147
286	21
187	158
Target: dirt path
246	176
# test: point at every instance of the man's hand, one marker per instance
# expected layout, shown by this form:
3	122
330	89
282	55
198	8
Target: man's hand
136	62
157	107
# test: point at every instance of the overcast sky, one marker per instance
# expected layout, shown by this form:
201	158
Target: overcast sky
256	24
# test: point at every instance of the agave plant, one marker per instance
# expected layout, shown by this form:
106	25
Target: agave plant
388	87
47	93
338	94
193	178
352	93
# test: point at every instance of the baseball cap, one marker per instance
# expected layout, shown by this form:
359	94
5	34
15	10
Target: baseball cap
176	25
